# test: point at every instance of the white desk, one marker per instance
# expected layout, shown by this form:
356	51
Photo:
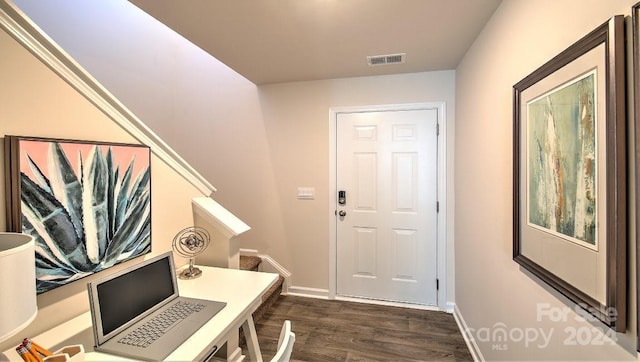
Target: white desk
242	290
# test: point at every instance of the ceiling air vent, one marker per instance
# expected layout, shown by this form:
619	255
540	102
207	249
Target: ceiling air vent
373	60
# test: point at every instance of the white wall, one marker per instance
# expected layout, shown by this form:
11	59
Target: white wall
490	287
296	120
36	102
256	145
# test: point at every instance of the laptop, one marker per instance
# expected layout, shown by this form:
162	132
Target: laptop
124	304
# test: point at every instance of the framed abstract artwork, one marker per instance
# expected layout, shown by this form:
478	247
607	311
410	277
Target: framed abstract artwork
570	177
87	204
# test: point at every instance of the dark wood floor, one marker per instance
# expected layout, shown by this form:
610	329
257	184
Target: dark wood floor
329	330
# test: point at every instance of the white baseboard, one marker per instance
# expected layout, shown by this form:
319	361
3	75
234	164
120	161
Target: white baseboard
388	303
469	340
449	307
270	265
308	292
324	294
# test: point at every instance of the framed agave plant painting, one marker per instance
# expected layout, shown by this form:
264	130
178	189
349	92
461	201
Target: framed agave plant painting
87	204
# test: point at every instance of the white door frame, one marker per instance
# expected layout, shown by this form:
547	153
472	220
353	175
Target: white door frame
441	257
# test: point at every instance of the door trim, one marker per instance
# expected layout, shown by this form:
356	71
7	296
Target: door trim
441	243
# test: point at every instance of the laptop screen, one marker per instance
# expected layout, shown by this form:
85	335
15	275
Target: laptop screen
129	295
120	299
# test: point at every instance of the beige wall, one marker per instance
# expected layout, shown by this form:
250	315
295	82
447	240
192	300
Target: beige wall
490	287
208	113
36	102
296	120
256	145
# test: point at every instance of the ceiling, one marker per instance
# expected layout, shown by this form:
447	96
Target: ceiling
274	41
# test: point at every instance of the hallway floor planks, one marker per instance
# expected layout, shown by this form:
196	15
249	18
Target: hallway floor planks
331	330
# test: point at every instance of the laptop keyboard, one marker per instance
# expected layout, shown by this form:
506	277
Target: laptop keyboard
147	333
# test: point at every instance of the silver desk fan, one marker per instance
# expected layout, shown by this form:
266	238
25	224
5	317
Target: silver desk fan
189	243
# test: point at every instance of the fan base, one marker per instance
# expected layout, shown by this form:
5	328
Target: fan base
190	273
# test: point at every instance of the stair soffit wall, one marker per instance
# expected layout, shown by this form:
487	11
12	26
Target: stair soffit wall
27	33
30	36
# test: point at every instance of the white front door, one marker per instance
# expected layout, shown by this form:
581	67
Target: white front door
386	242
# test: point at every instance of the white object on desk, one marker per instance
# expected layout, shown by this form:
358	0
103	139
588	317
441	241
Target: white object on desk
242	290
73	353
18	306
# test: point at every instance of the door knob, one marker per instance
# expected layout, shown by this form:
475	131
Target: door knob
342	213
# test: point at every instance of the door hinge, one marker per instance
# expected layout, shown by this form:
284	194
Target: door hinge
437	206
437	129
437	284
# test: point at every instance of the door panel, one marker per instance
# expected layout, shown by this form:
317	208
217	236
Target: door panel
366	175
366	252
386	240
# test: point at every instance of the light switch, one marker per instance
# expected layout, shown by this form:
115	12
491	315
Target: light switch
306	193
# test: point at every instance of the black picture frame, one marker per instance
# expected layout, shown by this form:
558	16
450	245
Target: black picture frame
560	247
